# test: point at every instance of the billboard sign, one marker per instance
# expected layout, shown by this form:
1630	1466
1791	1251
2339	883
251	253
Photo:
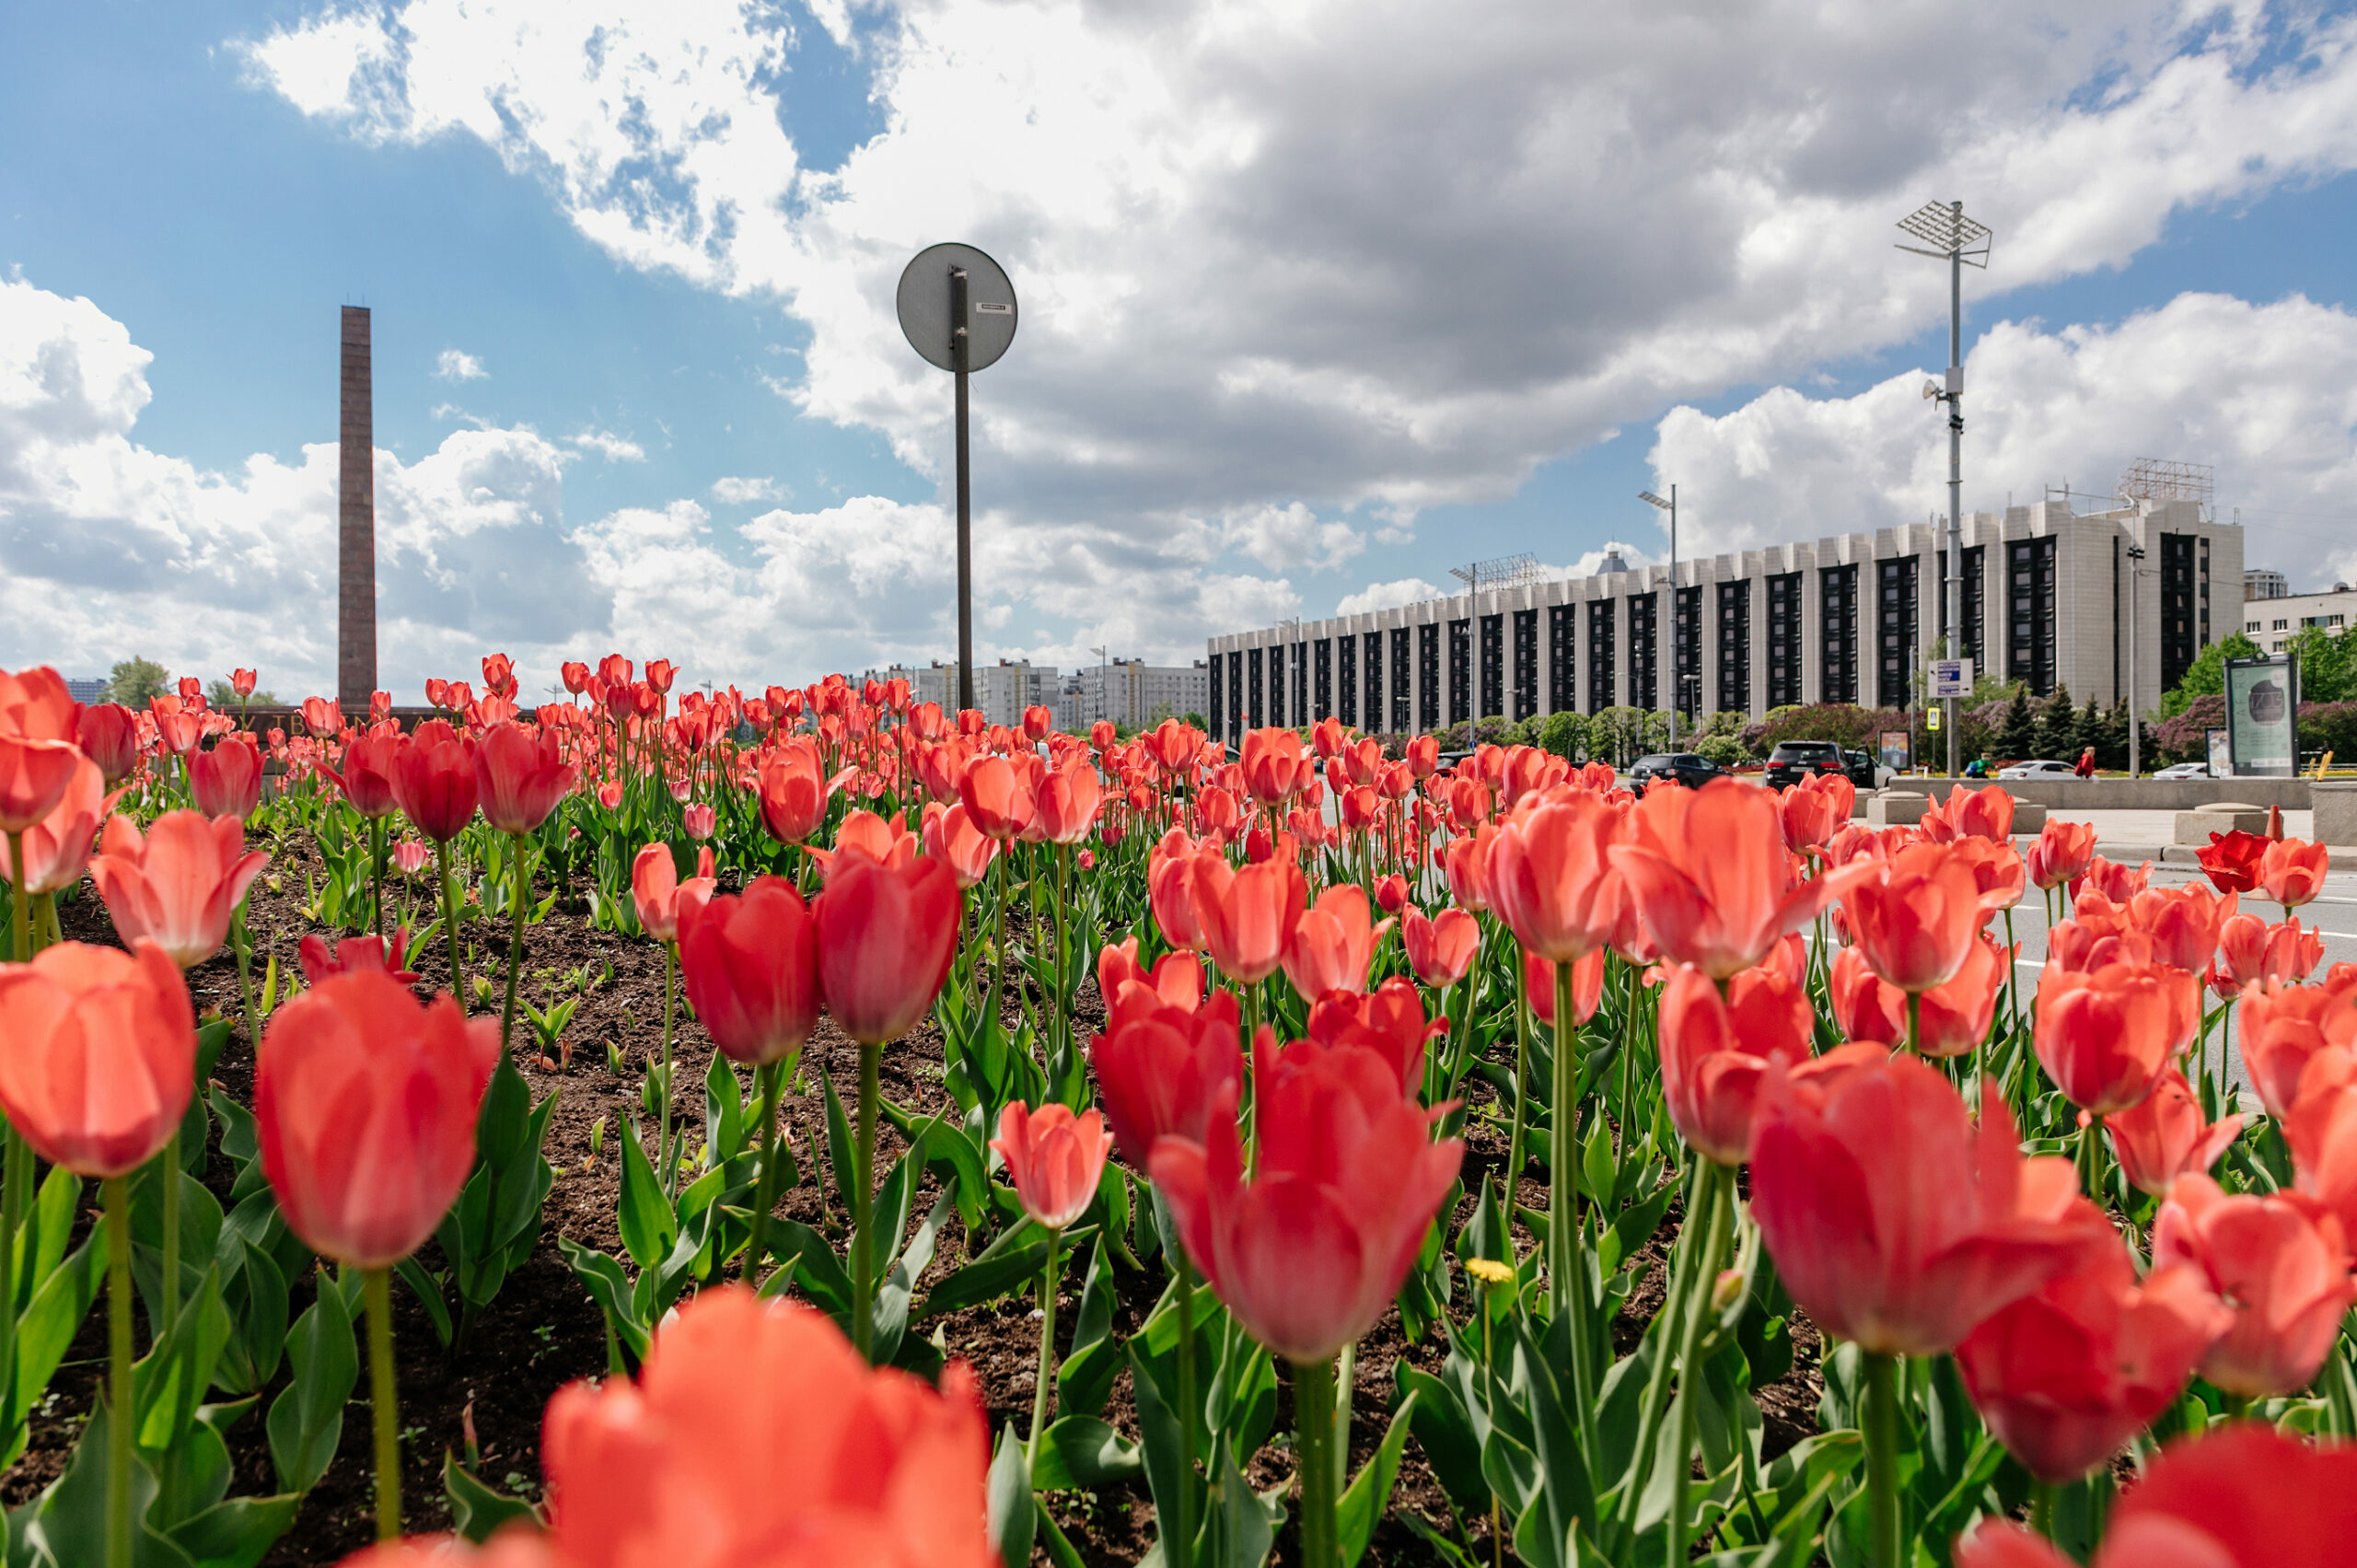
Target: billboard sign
1951	678
2262	704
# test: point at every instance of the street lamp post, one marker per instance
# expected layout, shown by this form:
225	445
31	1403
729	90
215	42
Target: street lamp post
1949	236
1676	643
2135	725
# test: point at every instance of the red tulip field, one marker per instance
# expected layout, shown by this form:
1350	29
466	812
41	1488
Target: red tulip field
734	1131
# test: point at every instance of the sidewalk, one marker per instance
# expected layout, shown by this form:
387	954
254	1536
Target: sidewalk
2148	835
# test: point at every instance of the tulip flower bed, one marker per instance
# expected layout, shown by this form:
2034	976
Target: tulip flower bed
810	1128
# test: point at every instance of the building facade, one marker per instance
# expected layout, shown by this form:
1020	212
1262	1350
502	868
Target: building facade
1849	619
1132	693
2271	622
1002	691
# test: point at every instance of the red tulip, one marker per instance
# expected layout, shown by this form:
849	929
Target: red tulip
1865	1009
366	781
1053	1157
2322	1131
886	934
227	781
1997	871
1441	949
178	884
2278	1261
2104	1035
2250	949
2163	1137
658	895
433	780
366	1099
1274	767
1894	1220
57	849
323	717
575	676
1986	814
951	838
2291	872
1914	916
835	1463
2061	853
499	675
1068	803
1715	1053
102	1054
749	965
1158	1065
1000	797
1170	891
1247	916
520	777
1711	877
793	789
1176	981
1546	871
1036	721
2245	1496
2231	861
865	835
2117	883
1309	1250
1390	1022
1391	892
1467	862
1813	808
1333	944
2283	1026
2067	1375
1588	986
107	733
37	753
356	955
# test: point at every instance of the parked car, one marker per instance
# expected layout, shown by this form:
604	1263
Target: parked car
1865	771
2038	768
1683	766
2184	771
1794	760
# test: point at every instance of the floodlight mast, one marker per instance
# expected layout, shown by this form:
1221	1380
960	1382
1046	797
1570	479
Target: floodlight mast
1949	236
1677	690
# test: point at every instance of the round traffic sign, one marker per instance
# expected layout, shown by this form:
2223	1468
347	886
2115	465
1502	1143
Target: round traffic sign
924	306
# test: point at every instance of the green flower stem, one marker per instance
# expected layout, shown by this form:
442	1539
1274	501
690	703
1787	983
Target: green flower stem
520	884
1181	1552
765	1192
1566	1237
1719	1184
376	1291
1042	1399
116	1191
1882	1460
16	1172
666	1161
1915	1022
1521	1089
167	1171
2041	1507
376	863
23	925
1313	1405
450	919
1682	1263
863	1202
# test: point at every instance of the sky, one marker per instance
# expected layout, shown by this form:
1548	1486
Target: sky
1318	299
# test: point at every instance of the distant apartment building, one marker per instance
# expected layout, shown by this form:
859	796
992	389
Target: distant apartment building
2261	582
1132	693
1848	618
1002	691
87	692
2271	622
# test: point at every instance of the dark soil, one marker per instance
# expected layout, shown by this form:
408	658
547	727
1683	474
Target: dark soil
543	1330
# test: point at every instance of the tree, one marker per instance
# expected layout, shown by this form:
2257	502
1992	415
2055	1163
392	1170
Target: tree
2327	664
1197	720
2206	676
222	696
135	680
1564	733
2016	736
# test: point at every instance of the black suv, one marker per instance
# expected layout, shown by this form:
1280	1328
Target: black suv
1683	766
1794	760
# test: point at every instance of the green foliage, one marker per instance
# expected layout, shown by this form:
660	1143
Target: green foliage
2327	664
1845	724
135	680
1564	734
1727	751
222	696
2206	676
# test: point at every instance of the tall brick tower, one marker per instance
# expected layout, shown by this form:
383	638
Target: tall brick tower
355	628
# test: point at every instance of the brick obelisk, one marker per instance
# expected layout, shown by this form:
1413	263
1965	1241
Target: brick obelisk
356	627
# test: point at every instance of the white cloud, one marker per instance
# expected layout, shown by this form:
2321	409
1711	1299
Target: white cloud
606	444
1388	596
735	490
458	365
1291	535
2267	393
107	547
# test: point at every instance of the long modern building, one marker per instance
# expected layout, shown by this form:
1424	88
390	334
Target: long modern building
2047	592
2271	620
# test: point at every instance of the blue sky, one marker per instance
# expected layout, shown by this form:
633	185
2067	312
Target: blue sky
1312	312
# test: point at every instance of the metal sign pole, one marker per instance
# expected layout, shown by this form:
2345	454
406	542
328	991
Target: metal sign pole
1955	476
958	340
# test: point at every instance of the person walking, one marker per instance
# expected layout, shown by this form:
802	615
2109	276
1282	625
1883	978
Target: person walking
2085	766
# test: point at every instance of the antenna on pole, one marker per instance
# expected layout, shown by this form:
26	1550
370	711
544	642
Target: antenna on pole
1502	572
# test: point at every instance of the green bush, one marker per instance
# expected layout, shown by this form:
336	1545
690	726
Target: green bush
1727	751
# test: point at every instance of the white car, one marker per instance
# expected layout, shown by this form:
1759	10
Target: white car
2041	769
2184	771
